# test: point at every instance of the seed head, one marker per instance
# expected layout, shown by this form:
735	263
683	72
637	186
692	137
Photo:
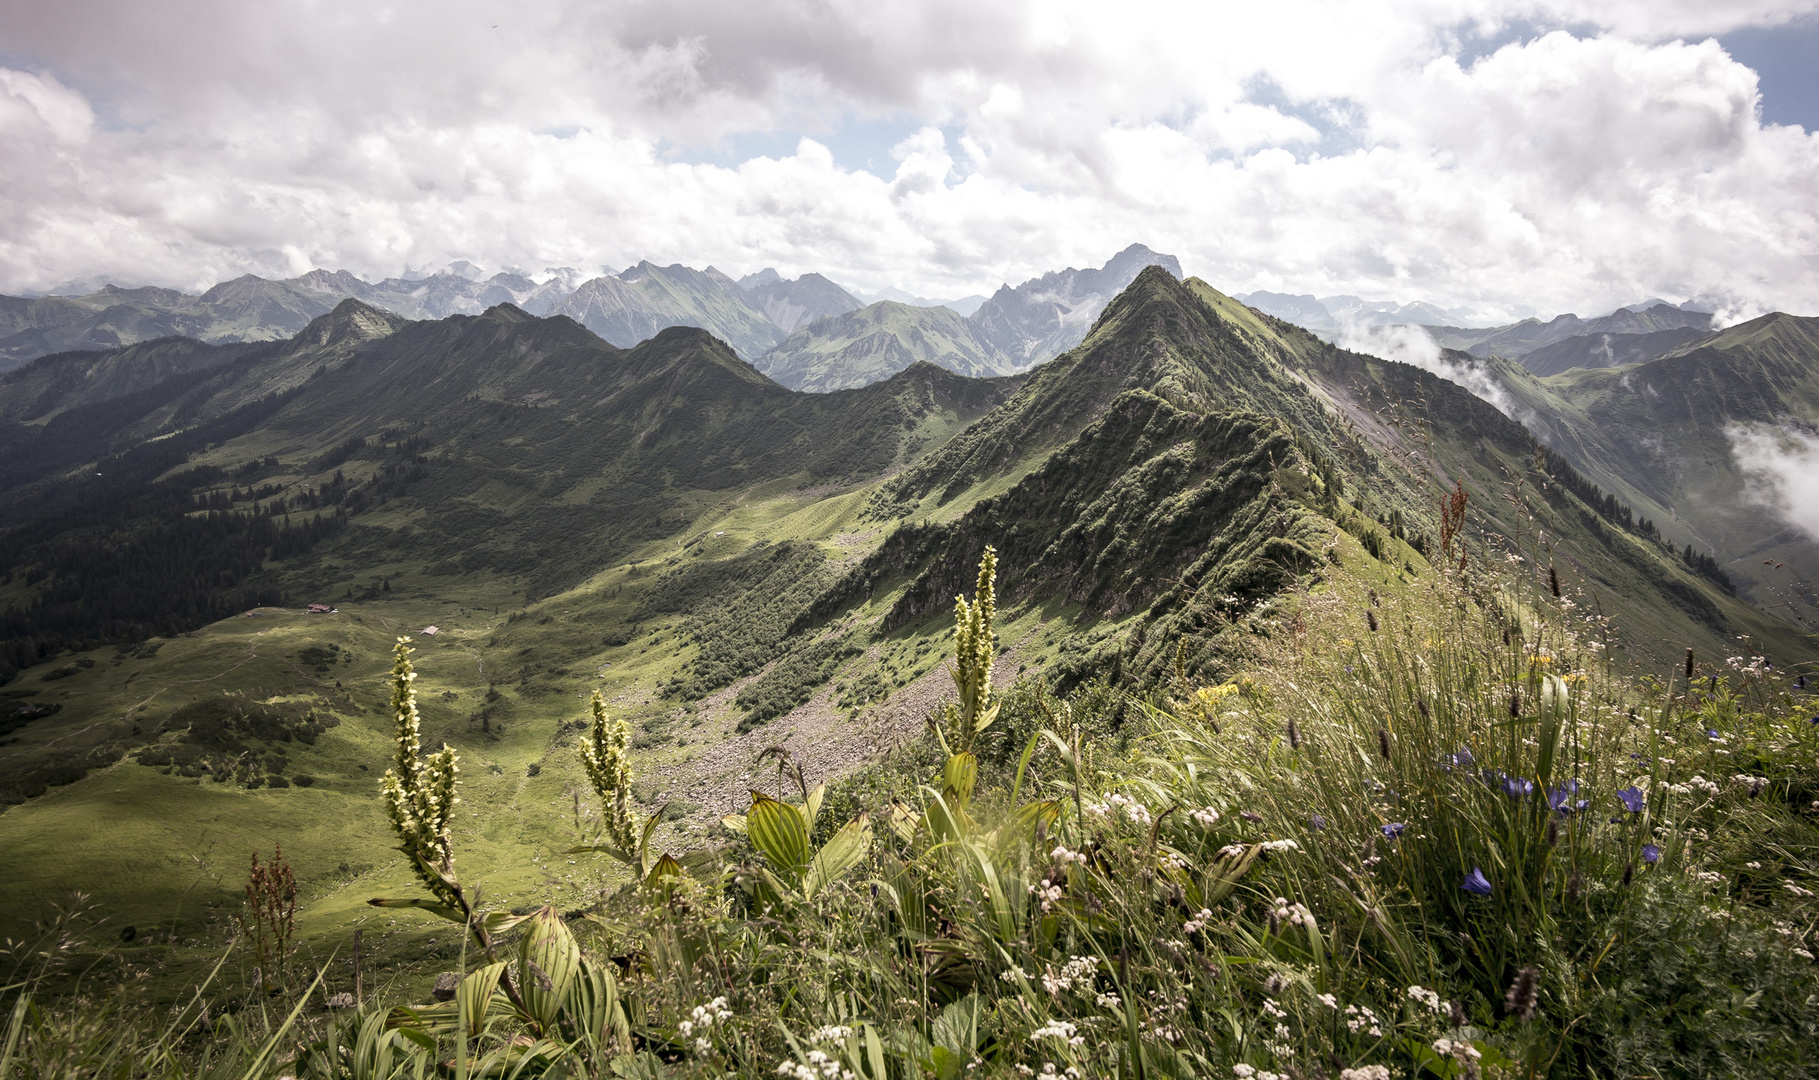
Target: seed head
1553	830
1383	742
1515	704
1689	665
1523	994
1458	1013
1629	874
1370	618
1294	735
1421	707
1553	581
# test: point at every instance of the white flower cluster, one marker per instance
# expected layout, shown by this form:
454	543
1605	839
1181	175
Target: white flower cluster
1078	970
1756	666
703	1018
1755	784
1362	1019
1059	1029
1112	1001
1293	914
1328	1000
1710	878
1134	810
1278	846
1246	1072
1273	1010
1366	1072
1459	1050
819	1067
1699	784
831	1033
1429	998
1232	851
1048	892
1796	890
1062	855
1206	816
1048	1069
1198	922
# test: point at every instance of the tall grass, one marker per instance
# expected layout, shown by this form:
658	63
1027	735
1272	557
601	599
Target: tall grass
1437	834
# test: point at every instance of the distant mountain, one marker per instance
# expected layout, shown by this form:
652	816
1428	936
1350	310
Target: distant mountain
1661	436
876	342
1608	350
965	305
794	304
646	298
1044	317
1327	316
1519	339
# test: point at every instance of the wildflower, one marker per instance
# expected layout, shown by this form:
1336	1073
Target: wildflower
1632	798
1476	883
1206	816
1394	829
1561	798
1651	853
1048	893
1712	734
1198	922
1361	1018
1108	1001
1059	1029
1366	1072
1062	855
1461	760
1328	1000
1523	994
1232	851
1316	822
1516	787
1279	846
1422	995
830	1033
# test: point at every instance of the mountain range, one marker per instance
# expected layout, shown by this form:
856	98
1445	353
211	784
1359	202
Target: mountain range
733	563
1017	327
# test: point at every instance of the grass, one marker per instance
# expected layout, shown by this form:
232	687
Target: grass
1352	855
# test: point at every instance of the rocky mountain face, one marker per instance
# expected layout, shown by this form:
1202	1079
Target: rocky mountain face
1044	317
791	305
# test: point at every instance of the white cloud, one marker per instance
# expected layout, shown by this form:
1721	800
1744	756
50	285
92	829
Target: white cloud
1311	145
1781	466
1412	345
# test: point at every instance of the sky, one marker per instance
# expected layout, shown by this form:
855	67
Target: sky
1503	156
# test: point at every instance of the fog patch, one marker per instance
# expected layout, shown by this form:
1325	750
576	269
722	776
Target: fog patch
1412	345
1780	466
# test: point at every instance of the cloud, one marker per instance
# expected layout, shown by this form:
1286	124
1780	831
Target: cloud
1412	345
1305	146
1781	465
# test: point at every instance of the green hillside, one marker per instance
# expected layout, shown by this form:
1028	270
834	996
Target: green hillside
876	342
733	564
1657	435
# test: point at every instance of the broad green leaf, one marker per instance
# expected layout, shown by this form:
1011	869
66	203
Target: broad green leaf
813	804
474	997
960	776
734	822
841	853
904	822
665	867
548	959
777	831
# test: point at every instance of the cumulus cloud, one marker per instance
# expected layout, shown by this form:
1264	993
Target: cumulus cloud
1321	146
1781	465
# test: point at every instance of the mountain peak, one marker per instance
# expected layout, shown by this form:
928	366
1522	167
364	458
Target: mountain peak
351	322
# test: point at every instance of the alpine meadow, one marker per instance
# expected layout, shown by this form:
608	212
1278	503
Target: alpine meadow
827	540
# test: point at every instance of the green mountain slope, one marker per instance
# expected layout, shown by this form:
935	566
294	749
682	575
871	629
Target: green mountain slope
878	341
1608	350
1661	436
1520	339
